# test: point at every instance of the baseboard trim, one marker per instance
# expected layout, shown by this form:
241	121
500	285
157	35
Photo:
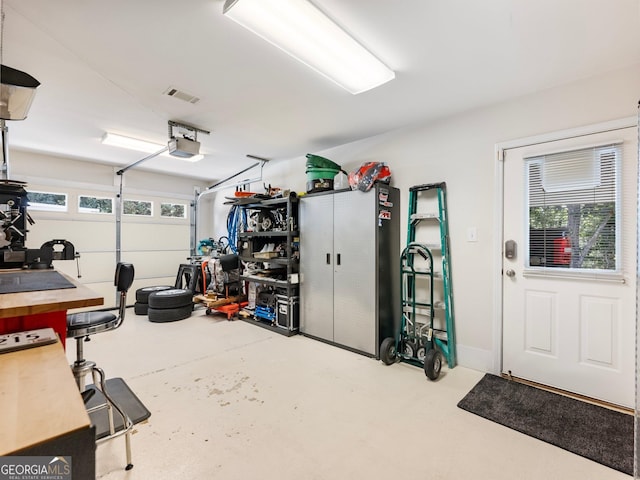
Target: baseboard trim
475	358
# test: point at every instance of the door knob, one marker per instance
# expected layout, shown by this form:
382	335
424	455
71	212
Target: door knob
510	273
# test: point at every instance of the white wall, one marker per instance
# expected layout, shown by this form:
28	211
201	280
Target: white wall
460	151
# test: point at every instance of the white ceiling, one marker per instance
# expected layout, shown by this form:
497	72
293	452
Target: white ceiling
104	65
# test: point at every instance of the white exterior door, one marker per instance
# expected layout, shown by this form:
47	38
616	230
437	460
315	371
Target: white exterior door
569	264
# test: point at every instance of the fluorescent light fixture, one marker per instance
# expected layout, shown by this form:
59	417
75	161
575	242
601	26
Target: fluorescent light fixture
300	29
138	145
121	141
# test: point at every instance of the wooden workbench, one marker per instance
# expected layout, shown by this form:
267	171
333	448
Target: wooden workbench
44	301
44	308
42	410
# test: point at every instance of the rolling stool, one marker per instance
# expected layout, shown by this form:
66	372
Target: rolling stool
80	326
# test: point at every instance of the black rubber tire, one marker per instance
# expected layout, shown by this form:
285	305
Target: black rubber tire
388	352
173	298
163	315
421	354
409	349
433	364
140	308
142	294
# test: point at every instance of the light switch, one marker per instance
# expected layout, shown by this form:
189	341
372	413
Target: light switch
472	234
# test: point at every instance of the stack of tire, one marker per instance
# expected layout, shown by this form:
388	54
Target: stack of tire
170	305
142	298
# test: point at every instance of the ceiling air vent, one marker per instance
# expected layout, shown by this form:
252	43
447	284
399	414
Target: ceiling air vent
179	94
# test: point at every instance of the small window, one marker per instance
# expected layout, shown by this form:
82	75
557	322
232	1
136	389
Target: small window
95	204
137	207
48	201
174	210
574	212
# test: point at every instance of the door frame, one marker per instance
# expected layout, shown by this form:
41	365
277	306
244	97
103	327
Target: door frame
500	149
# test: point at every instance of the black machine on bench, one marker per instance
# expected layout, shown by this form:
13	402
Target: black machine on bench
13	233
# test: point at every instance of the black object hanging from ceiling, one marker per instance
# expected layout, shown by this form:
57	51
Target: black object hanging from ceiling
17	90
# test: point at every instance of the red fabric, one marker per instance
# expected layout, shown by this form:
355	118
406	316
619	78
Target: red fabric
562	251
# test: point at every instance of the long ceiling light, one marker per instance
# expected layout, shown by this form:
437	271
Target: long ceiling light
304	32
138	145
115	140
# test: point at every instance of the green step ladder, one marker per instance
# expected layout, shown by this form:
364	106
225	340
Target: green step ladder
444	337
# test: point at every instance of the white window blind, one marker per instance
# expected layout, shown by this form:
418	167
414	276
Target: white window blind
573	209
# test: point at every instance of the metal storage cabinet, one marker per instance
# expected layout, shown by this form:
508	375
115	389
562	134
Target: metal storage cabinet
349	267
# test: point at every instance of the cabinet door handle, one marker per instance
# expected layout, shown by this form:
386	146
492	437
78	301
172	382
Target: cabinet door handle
328	259
338	259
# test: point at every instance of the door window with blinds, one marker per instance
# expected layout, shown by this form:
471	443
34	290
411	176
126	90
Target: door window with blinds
573	210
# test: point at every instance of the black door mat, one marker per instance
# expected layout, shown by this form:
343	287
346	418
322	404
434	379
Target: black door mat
126	400
591	431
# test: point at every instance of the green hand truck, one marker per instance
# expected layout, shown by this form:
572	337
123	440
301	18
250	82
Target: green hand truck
415	342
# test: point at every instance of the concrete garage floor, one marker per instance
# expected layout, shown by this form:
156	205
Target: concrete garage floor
230	400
